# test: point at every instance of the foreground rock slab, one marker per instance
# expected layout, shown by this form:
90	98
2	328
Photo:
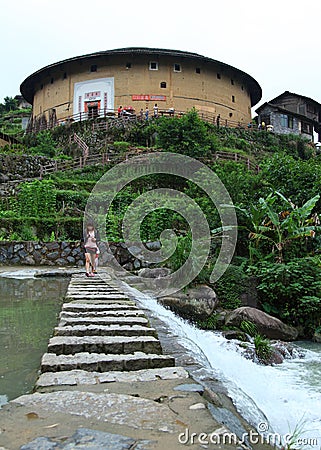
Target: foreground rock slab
86	438
118	409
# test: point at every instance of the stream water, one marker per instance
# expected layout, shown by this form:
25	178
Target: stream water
277	399
28	314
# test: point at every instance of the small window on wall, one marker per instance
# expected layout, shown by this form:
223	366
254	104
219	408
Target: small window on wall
64	76
153	65
218	75
232	82
242	87
93	68
51	81
163	85
177	68
198	70
128	65
233	98
305	128
290	122
283	120
230	115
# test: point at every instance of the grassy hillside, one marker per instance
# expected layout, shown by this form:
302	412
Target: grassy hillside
278	208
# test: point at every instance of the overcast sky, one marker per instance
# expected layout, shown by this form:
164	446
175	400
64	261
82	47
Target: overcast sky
277	41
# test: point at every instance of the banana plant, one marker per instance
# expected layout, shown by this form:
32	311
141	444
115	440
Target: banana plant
280	228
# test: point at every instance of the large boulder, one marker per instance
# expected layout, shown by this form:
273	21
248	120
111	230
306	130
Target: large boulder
194	303
267	325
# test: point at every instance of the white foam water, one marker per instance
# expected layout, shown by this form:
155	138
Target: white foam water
288	395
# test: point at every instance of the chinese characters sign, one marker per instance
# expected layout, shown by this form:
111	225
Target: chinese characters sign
159	98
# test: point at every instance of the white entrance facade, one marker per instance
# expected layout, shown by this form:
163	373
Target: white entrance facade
93	98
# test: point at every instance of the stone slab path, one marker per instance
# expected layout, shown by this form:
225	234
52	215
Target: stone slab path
105	383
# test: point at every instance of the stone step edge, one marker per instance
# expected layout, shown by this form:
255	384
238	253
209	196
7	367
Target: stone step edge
90	320
105	330
98	297
82	377
101	301
65	345
100	362
98	339
74	306
103	313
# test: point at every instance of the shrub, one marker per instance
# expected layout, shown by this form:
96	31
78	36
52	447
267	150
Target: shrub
187	135
184	245
263	348
210	323
121	147
248	327
292	291
37	199
230	287
44	144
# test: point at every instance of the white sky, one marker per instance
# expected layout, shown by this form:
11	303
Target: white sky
275	41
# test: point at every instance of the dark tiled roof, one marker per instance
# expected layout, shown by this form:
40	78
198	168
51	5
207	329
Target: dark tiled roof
27	87
275	100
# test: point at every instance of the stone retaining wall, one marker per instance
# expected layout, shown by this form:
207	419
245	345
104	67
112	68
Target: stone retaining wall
67	253
13	167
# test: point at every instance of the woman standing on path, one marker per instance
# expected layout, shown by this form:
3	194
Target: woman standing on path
91	238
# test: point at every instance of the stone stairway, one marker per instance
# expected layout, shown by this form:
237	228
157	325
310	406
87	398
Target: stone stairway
101	330
106	385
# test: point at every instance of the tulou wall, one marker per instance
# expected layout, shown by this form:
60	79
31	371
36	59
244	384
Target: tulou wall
140	78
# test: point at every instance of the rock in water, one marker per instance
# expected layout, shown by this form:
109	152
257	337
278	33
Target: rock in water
194	303
269	326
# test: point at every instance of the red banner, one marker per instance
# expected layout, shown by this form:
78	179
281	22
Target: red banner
159	98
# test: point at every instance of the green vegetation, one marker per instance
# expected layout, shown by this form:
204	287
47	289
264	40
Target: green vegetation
263	348
11	118
278	208
248	328
210	323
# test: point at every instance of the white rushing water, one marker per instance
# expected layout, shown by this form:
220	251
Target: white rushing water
287	394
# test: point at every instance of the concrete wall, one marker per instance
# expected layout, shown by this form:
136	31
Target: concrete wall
65	253
184	89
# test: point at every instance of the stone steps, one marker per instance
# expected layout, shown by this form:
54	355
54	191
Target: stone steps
77	307
101	331
105	301
64	345
100	303
104	313
101	362
105	330
95	296
106	320
74	377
